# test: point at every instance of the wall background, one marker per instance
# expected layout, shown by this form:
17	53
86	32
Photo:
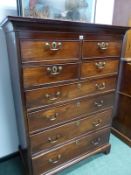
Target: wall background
122	12
104	11
8	129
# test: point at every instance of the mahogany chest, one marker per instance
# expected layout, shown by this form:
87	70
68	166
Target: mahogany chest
64	77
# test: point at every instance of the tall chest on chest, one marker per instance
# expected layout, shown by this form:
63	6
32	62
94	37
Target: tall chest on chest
64	77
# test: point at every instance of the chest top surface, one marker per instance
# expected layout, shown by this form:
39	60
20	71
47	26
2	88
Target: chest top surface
12	23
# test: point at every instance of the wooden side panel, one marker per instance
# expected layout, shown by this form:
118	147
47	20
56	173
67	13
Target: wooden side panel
16	86
15	73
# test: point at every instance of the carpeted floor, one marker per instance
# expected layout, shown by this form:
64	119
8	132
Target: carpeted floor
118	162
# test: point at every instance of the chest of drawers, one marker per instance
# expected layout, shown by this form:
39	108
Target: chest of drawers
64	76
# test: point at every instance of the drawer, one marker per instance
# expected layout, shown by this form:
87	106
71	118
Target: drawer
101	49
45	96
56	115
39	75
47	161
33	50
50	138
99	68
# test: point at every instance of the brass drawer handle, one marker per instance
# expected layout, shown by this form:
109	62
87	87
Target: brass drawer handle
54	139
53	98
96	142
77	142
100	65
54	70
103	45
57	159
101	86
97	123
54	46
53	117
99	104
79	85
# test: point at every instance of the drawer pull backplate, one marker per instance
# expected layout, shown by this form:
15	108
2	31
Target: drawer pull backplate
96	142
56	160
99	104
54	70
100	65
101	86
54	139
53	97
97	123
103	45
54	46
52	117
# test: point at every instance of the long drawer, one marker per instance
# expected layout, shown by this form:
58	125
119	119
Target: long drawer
45	96
50	117
99	68
53	137
48	161
35	75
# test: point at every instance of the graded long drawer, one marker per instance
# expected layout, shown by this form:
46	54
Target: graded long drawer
38	50
56	115
39	75
99	68
53	137
50	95
101	49
47	161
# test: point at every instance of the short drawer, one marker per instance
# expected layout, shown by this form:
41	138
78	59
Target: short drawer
47	161
34	50
39	75
46	96
101	49
42	119
50	138
99	68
